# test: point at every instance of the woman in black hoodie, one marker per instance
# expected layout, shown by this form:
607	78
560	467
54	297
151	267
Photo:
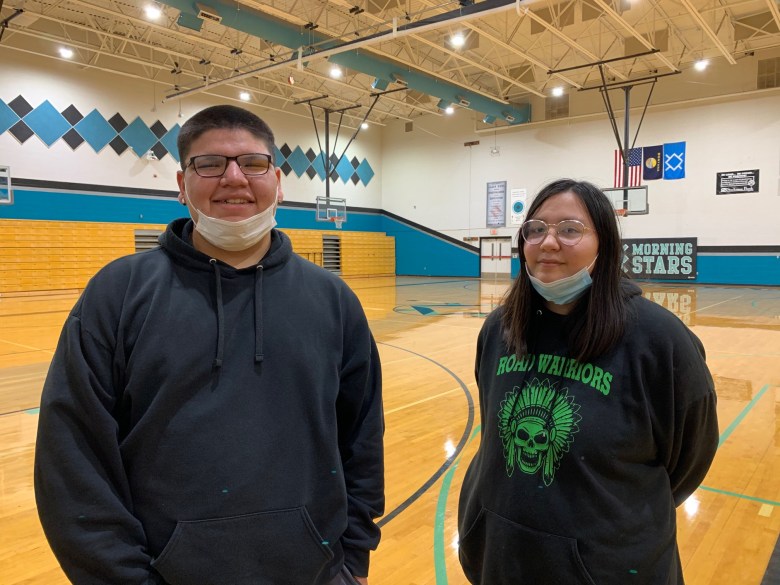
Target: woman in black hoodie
598	414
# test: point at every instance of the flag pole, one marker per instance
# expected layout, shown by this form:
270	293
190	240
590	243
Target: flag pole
626	145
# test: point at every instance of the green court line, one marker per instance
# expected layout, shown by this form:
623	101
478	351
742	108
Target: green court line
742	496
441	509
735	423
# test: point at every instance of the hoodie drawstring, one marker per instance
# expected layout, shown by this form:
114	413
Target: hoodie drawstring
220	316
259	314
258	300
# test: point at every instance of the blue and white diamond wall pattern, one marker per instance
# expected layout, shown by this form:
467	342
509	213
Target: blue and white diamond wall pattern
312	164
23	121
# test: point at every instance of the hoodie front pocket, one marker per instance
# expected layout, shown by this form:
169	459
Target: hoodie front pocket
496	551
277	547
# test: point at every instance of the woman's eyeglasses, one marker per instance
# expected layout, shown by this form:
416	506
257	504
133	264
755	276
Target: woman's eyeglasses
568	231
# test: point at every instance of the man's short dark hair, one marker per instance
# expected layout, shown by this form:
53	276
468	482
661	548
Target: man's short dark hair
219	117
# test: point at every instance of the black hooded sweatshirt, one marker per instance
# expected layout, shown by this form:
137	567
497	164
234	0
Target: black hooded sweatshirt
205	425
581	465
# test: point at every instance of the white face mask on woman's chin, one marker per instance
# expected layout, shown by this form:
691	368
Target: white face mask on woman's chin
564	290
235	236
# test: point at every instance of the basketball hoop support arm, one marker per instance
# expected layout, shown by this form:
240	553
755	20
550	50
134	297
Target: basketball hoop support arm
326	153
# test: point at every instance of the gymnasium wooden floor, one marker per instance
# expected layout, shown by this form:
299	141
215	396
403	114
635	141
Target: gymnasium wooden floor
426	329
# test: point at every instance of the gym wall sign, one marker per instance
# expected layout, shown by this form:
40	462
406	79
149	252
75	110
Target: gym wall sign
737	182
660	258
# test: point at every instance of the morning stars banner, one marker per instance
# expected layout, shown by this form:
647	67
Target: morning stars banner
660	258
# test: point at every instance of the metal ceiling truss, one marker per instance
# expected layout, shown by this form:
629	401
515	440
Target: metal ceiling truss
515	51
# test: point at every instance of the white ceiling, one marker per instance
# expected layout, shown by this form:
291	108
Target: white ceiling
514	52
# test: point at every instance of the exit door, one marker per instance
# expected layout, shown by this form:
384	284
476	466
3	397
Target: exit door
495	257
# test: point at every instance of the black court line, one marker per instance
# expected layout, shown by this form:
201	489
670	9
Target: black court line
772	575
451	459
469	279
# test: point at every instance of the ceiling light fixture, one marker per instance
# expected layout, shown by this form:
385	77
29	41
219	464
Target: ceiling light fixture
457	40
66	53
557	91
244	95
701	64
335	72
364	125
153	11
449	110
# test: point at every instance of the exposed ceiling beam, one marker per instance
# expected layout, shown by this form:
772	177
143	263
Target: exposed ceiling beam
496	106
566	39
708	31
635	33
773	8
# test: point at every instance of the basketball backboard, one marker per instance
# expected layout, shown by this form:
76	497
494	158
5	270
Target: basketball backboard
332	209
632	199
6	190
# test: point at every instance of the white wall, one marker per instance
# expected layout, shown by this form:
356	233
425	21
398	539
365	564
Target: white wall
430	177
63	83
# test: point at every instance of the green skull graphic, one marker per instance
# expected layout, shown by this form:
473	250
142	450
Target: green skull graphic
537	426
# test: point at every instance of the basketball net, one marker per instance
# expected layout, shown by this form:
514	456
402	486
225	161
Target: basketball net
337	221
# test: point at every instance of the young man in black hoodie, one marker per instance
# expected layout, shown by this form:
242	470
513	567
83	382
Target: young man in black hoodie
213	412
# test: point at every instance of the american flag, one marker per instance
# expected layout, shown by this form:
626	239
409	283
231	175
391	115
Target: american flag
634	167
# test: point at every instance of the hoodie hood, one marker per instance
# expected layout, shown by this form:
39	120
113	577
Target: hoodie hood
176	240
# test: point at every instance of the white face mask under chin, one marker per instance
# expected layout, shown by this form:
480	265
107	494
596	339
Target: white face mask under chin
564	290
234	236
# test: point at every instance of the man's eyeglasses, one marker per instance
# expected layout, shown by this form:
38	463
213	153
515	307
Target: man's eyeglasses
568	231
215	165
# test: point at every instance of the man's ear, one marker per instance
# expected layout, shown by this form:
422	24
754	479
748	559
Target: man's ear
182	189
279	192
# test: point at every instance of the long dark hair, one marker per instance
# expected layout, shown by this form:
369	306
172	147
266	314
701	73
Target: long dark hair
597	321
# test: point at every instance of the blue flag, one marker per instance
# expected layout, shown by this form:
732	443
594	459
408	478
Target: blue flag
674	160
652	162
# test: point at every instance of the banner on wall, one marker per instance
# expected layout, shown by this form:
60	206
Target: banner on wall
737	182
496	204
517	206
660	258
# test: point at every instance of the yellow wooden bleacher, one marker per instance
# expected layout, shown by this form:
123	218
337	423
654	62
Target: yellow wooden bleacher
42	255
